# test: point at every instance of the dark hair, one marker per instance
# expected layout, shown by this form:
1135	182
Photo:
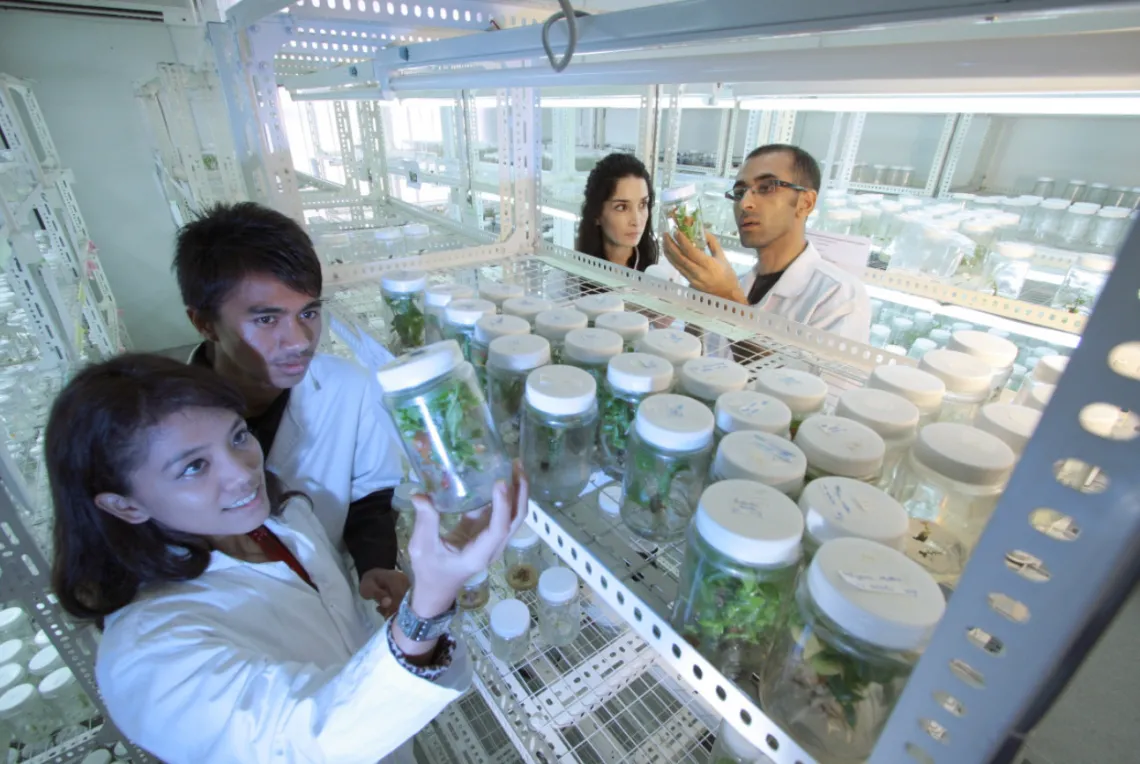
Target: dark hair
803	164
229	242
96	436
599	188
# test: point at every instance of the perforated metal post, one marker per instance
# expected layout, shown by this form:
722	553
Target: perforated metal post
672	130
938	167
953	154
649	121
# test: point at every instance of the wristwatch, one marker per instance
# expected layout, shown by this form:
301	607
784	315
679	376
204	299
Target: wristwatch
422	629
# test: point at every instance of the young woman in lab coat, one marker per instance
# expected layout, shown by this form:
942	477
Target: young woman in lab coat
616	213
231	632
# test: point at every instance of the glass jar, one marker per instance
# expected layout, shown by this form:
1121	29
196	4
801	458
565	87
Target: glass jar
968	382
1109	228
595	305
1039	396
522	560
1075	226
905	176
509	361
403	293
526	307
1075	191
835	445
1047	371
16	651
733	748
405	520
436	300
31	720
667	461
389	242
863	614
949	486
416	237
15	624
839	507
1012	424
742	554
706	379
1097	194
497	292
559	430
762	458
488	329
889	223
476	592
1083	283
880	335
445	426
1007	268
801	392
591	351
682	210
981	233
630	378
902	331
459	319
63	693
1117	197
631	327
880	174
921	347
1047	221
45	661
1043	186
747	410
510	631
940	337
559	611
842	220
892	417
674	345
996	352
555	324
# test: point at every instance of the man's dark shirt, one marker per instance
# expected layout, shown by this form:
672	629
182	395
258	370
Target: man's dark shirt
762	285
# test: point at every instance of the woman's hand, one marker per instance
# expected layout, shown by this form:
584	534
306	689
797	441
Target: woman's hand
384	587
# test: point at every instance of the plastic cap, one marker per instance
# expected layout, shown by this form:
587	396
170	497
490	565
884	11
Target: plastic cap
518	352
468	312
12	615
802	392
709	378
940	336
561	390
592	346
673	345
10	649
875	593
403	282
629	326
45	661
441	295
1116	213
11	702
523	538
997	352
558	585
880	332
1015	250
839	507
554	324
748	410
1084	209
490	328
1050	368
386	234
896	349
1097	263
1039	396
841	446
595	305
902	323
961	373
675	194
475	580
510	619
1011	423
416	229
750	522
922	345
674	422
762	457
526	307
418	366
56	681
1055	204
639	373
497	292
964	453
888	414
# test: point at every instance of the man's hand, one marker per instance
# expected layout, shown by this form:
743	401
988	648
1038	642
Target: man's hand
384	587
709	273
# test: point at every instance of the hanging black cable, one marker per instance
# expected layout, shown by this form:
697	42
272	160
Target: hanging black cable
570	15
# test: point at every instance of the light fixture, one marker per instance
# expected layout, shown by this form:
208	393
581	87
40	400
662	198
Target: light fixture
1110	105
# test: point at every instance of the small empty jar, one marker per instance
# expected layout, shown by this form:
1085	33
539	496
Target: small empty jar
1044	186
1008	267
523	560
436	300
839	507
631	327
706	379
389	242
559	430
498	292
880	335
996	352
1083	283
476	592
510	631
803	393
893	417
1013	424
459	319
838	446
1075	225
1109	228
921	347
555	324
526	307
673	345
1048	371
967	379
902	331
595	305
1047	221
1075	191
416	237
762	458
559	610
748	410
630	379
1097	194
591	351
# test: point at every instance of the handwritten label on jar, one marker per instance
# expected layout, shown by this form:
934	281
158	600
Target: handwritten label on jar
879	584
777	453
743	506
842	502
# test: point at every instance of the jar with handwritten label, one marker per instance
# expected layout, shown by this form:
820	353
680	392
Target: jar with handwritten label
762	458
595	305
839	507
555	324
674	345
804	393
835	445
706	379
893	417
631	327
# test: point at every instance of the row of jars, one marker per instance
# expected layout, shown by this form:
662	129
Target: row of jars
1077	191
370	244
899	176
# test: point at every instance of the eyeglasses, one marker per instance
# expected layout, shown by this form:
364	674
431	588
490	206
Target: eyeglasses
762	187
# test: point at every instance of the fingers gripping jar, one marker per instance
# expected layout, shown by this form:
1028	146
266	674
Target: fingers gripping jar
893	417
445	426
559	611
555	324
803	393
682	210
741	557
509	361
839	507
968	382
674	345
460	317
403	293
863	614
631	327
559	430
596	305
836	445
921	388
591	350
630	379
706	379
666	465
436	300
488	329
762	458
526	307
748	410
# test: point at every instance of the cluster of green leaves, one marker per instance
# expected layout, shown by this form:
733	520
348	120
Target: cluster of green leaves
651	483
846	677
972	261
734	606
455	418
407	320
1077	303
617	416
688	222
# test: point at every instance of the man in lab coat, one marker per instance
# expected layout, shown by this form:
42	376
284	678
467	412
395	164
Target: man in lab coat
774	193
251	283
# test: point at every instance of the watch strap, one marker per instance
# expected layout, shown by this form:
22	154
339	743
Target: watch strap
422	629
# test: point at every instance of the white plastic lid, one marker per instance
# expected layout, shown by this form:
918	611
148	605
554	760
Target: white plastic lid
1044	179
902	323
1050	368
709	378
674	345
558	585
802	392
418	366
875	593
880	332
416	229
11	702
1013	424
761	457
629	326
839	507
844	214
468	312
441	294
492	327
675	194
891	206
749	410
639	373
988	200
961	326
1039	396
387	234
1114	212
526	307
497	292
1099	185
960	372
510	619
1055	204
518	352
10	649
554	324
997	352
1097	263
45	661
476	579
1083	209
841	446
977	227
11	674
896	349
403	282
674	422
561	390
41	639
11	616
890	415
923	345
1015	250
523	538
58	680
402	496
964	453
940	336
595	305
750	522
592	346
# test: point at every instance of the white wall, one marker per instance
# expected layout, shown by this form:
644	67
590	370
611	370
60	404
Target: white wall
84	71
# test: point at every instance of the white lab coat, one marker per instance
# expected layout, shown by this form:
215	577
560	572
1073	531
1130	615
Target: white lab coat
248	664
820	294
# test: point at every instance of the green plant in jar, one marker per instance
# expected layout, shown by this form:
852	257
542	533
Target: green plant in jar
509	360
559	430
688	221
403	293
682	209
460	317
630	378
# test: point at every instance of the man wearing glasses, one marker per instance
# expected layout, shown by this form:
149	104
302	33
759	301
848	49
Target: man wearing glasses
774	193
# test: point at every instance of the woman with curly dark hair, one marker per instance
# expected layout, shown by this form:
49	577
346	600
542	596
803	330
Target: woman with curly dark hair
616	213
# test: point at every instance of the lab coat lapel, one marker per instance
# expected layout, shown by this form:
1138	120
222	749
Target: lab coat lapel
286	447
791	286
